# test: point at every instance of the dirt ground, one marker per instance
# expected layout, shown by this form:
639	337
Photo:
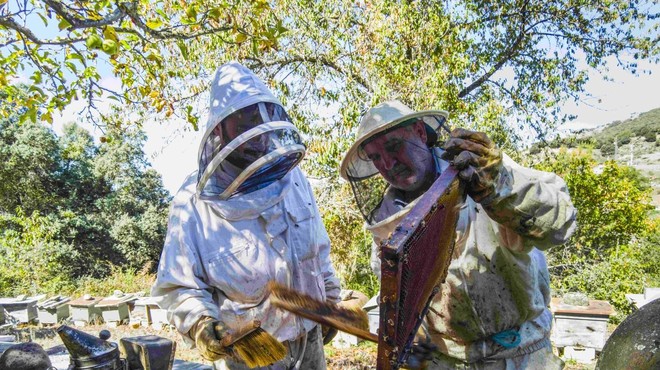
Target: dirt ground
360	357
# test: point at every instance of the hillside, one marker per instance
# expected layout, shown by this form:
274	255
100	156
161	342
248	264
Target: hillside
634	142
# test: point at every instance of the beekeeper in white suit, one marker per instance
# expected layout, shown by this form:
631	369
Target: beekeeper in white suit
492	312
246	217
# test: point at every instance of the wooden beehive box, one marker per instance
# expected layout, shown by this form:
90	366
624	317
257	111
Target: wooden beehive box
22	309
140	315
156	316
115	309
639	300
580	326
84	310
373	313
53	310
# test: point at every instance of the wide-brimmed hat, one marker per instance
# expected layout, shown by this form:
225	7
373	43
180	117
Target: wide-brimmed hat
380	119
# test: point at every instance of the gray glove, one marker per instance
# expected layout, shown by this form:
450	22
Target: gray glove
420	353
478	160
205	335
328	333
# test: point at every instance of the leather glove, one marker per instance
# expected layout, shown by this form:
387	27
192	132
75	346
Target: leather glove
478	160
206	339
420	353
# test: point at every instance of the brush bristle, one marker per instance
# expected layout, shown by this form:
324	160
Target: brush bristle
353	320
259	349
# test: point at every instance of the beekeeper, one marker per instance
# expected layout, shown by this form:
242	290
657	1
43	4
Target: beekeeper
246	217
492	312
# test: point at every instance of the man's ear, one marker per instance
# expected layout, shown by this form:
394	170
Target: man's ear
419	128
217	130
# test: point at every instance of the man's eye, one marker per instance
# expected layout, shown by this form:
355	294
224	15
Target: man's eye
393	146
373	157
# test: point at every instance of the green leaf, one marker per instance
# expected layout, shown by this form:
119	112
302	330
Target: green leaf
215	13
36	77
240	38
109	47
75	56
94	42
43	17
154	23
191	13
109	33
184	49
72	67
63	25
47	117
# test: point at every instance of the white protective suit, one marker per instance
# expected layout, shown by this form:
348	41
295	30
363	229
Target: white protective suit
220	254
498	280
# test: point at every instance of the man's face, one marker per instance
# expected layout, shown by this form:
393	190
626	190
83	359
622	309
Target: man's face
238	123
402	157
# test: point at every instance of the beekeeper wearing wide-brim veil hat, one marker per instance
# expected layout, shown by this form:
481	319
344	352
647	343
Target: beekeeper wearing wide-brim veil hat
492	311
245	218
360	170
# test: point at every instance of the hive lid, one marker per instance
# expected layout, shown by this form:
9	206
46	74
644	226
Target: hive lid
595	308
86	301
54	302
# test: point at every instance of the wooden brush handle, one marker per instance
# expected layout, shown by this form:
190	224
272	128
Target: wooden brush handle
229	337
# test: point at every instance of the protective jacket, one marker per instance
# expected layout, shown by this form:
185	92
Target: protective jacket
498	280
220	254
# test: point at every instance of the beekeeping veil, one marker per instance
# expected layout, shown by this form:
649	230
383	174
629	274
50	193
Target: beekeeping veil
359	170
249	141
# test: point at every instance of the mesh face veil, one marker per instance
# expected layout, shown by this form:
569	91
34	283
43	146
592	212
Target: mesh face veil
360	168
370	191
248	150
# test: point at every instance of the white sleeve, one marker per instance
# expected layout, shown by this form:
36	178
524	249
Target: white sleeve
181	284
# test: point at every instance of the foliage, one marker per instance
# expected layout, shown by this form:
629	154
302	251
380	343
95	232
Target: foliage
612	206
646	125
90	207
125	279
33	260
625	269
67	47
350	242
614	248
460	56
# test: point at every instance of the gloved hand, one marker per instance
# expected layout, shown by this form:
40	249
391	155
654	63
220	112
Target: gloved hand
478	160
420	353
328	333
206	339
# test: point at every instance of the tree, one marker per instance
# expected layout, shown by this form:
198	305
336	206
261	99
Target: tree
136	209
612	203
64	200
482	61
66	47
32	259
28	167
613	250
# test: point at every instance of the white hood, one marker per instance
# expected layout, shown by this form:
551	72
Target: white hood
234	87
255	142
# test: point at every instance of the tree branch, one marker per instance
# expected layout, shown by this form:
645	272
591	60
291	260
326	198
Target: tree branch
316	60
9	23
77	23
504	57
